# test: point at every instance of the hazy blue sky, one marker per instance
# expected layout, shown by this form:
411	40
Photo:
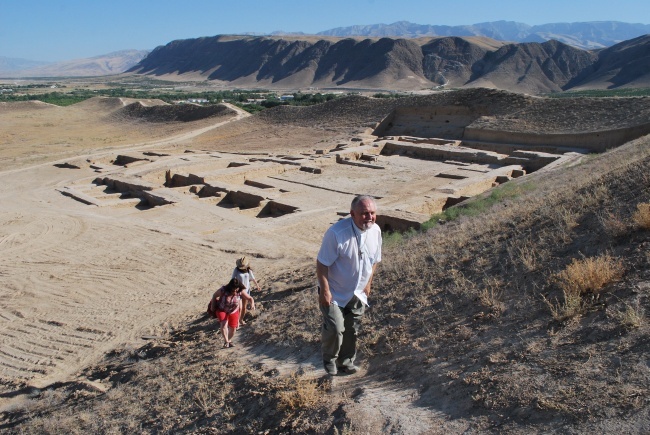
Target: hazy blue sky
52	30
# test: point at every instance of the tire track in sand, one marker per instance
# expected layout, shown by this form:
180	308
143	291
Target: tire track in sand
70	296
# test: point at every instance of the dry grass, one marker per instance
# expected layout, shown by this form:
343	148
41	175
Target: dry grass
571	306
632	316
582	277
642	216
526	253
491	294
299	393
613	224
589	275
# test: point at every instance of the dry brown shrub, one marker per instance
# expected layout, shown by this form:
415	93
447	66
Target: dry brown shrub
579	278
299	393
589	275
613	224
642	215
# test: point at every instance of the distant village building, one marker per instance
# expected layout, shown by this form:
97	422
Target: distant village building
286	97
192	100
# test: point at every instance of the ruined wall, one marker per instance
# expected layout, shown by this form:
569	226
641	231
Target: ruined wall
508	148
440	153
454	122
598	141
180	180
239	175
447	122
122	183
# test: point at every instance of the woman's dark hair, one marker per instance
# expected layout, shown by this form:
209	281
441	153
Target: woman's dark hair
234	285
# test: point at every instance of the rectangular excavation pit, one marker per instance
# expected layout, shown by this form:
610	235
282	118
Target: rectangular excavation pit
275	209
451	176
207	191
196	168
131	192
453	200
258	184
123	184
122	160
241	200
193	189
181	180
400	221
150	200
311	169
368	157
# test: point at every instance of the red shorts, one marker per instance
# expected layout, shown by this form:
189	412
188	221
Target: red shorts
233	318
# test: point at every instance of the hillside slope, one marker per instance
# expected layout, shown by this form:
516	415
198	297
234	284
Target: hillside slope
107	64
471	328
397	63
627	63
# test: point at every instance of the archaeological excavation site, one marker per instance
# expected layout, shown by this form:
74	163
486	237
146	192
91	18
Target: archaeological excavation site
121	218
417	160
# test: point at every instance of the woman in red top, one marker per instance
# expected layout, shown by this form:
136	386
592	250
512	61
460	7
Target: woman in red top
225	305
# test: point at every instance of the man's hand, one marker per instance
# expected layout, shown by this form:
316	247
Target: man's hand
324	294
366	290
325	297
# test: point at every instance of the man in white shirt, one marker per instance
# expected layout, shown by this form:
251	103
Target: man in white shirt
348	257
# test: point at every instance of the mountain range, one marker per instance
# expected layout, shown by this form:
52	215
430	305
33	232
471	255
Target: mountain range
400	56
107	64
586	35
399	64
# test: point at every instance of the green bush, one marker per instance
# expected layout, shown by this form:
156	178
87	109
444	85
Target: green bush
477	206
601	93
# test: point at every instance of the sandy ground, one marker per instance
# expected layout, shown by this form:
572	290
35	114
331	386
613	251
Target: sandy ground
77	280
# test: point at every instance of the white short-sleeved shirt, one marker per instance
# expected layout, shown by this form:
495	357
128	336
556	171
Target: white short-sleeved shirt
349	255
243	277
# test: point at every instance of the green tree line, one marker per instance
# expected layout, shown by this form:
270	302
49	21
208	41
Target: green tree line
239	97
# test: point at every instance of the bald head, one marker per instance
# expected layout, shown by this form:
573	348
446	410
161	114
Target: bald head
363	211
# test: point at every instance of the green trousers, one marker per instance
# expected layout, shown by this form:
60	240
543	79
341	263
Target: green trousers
339	333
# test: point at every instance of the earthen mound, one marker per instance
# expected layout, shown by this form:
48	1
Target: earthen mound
25	105
169	113
358	110
101	104
571	115
492	109
344	112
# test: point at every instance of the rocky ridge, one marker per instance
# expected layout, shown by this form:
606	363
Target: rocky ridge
398	63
